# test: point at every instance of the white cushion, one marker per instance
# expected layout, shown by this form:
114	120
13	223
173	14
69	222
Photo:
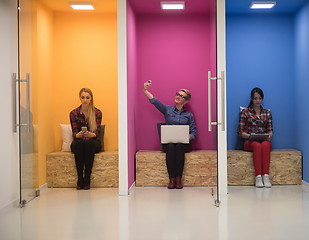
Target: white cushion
67	138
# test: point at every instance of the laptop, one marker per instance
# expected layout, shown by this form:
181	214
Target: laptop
258	136
174	134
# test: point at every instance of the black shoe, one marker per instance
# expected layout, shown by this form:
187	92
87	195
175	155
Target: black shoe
80	184
87	181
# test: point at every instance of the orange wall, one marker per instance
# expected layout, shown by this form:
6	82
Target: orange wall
85	55
42	90
71	51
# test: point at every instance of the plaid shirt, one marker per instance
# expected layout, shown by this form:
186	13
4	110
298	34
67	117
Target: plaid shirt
78	120
249	122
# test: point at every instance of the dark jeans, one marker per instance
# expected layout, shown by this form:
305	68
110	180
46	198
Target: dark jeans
175	157
84	151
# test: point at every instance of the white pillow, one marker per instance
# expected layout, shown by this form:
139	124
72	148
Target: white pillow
67	138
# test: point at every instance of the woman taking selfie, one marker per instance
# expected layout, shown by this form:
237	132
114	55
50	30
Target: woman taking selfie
175	115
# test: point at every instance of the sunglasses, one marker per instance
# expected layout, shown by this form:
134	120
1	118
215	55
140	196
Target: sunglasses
182	96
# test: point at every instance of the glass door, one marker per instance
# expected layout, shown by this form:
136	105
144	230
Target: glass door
27	156
212	93
177	49
216	96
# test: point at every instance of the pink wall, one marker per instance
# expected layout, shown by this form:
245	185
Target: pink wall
174	51
132	91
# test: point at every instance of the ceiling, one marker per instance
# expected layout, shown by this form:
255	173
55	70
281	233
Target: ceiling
102	6
154	6
282	6
232	6
192	6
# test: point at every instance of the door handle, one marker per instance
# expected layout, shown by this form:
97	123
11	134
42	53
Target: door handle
222	122
210	123
14	102
28	110
28	102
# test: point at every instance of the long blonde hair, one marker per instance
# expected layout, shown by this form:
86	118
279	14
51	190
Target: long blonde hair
90	116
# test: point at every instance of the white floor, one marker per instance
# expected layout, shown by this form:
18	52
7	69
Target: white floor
281	212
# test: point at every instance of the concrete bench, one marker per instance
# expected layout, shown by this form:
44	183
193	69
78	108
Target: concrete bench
61	171
201	168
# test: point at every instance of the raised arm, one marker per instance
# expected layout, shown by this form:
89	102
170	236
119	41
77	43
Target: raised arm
160	106
147	85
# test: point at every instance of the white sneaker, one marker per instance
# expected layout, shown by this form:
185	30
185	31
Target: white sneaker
266	181
258	181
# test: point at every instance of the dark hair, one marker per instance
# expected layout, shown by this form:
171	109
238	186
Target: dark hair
253	91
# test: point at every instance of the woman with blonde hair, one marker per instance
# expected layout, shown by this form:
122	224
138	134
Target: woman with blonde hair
85	122
175	115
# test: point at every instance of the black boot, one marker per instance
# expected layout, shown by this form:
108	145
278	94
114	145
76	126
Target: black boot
178	183
171	184
87	183
80	183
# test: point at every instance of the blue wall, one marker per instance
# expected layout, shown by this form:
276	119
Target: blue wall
302	85
261	53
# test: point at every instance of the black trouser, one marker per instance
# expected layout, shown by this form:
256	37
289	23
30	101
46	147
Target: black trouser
84	151
175	157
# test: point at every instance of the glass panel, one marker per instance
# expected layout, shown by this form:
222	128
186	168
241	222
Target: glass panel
213	93
28	158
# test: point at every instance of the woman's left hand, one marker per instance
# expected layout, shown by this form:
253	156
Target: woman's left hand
88	134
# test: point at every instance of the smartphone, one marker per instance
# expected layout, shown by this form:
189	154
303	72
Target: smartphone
84	129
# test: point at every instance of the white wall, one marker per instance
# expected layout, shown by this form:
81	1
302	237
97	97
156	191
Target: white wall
9	173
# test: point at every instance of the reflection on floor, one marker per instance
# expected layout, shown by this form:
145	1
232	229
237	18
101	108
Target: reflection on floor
281	212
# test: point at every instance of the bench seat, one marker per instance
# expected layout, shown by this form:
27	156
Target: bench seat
61	171
201	168
285	167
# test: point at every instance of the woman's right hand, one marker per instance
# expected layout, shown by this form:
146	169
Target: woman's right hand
145	89
147	85
80	134
245	135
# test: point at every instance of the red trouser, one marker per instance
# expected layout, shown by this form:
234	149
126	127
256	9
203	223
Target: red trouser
261	155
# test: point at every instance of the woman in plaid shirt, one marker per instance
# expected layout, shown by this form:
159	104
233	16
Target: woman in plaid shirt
256	119
85	122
